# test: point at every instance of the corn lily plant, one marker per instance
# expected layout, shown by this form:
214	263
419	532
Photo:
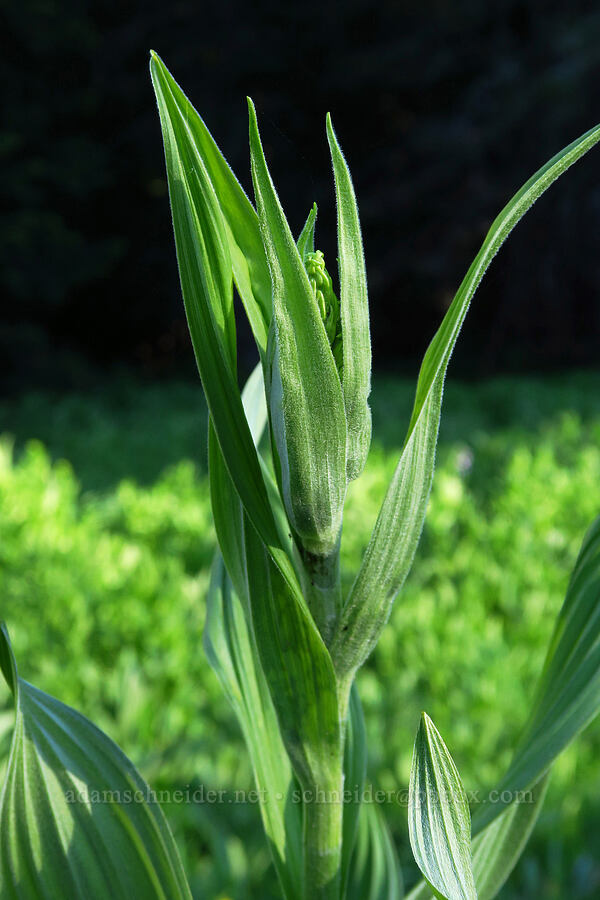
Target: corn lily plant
281	635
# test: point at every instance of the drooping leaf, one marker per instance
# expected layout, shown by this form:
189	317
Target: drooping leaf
233	656
248	260
375	871
439	823
305	395
394	540
76	818
356	372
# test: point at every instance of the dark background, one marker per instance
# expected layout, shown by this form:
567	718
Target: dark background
443	110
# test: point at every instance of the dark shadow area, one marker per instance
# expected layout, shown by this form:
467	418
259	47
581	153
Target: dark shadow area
443	111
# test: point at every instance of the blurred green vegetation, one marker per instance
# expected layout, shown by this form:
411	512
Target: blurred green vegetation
105	543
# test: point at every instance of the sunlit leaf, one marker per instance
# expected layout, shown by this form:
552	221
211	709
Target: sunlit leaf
248	260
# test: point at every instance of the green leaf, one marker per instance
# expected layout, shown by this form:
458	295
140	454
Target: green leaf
297	667
498	847
204	260
304	391
568	698
375	871
394	540
233	656
568	695
356	372
306	241
76	818
355	768
439	823
248	260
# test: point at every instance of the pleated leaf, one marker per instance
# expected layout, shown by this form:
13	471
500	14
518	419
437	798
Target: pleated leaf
354	308
393	544
305	395
76	818
375	871
249	263
497	849
232	654
438	818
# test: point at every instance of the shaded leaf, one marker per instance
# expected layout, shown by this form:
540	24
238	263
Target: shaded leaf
375	871
232	655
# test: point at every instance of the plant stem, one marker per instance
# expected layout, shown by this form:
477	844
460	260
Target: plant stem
323	819
322	589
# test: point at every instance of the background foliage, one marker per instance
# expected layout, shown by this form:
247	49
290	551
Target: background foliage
443	110
104	564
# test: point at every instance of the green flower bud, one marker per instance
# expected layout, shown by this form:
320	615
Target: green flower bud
328	303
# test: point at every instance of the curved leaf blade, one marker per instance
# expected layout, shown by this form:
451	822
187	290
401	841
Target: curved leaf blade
439	822
396	534
76	818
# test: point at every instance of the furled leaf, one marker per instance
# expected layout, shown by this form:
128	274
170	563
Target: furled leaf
76	818
305	395
356	340
248	260
232	654
439	823
393	544
375	871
